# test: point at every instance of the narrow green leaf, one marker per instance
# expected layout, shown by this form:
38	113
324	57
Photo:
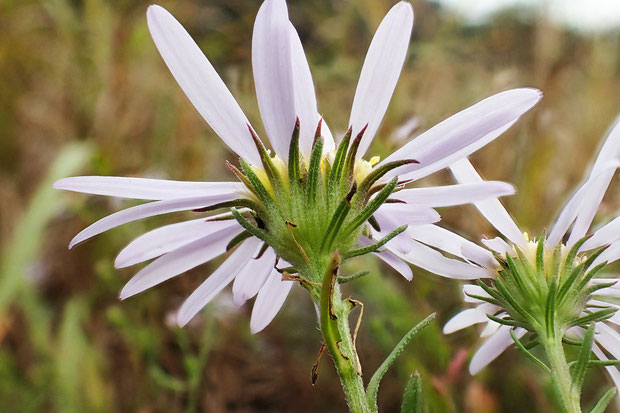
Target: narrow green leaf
529	354
339	158
594	317
239	203
603	363
348	278
349	165
373	384
412	398
377	173
373	247
540	257
583	359
252	229
337	220
238	239
256	185
550	308
604	401
314	169
270	169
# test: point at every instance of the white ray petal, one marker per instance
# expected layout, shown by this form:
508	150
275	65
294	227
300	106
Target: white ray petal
491	209
380	73
303	95
167	238
148	210
463	133
273	74
465	318
608	338
179	261
270	299
498	245
490	329
433	261
607	234
493	347
442	196
143	188
607	292
328	139
583	199
201	83
253	276
216	282
451	243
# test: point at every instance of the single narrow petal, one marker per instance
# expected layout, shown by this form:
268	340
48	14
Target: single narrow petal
253	276
382	66
465	318
493	347
583	199
167	238
216	282
270	299
590	205
303	95
608	338
200	82
179	261
498	245
273	74
143	188
463	133
491	209
433	261
451	243
390	259
148	210
611	254
328	139
450	195
607	234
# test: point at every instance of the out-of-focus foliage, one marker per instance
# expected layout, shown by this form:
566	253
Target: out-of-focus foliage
85	72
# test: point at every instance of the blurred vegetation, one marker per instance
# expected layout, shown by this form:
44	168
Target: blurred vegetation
85	92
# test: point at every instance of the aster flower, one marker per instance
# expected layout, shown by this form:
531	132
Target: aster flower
266	223
553	288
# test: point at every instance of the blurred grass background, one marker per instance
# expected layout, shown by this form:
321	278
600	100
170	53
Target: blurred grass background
85	92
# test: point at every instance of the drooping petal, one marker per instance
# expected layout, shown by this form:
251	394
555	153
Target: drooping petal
493	347
605	235
463	133
451	243
380	73
390	259
450	195
216	282
583	199
143	188
148	210
253	276
465	318
491	209
201	83
270	299
433	261
167	238
273	74
179	261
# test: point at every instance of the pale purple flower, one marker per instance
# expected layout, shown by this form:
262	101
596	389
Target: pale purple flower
576	216
285	93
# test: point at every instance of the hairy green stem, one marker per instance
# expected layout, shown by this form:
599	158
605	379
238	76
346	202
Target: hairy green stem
334	318
560	375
